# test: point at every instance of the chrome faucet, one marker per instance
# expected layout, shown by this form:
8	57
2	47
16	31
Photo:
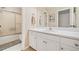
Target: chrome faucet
50	28
74	26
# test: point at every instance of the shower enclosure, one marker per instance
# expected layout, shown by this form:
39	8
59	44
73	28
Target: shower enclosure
10	24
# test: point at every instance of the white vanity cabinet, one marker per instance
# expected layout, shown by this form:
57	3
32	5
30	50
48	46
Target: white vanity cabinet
47	45
42	41
47	42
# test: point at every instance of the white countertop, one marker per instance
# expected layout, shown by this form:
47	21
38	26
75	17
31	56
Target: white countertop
64	33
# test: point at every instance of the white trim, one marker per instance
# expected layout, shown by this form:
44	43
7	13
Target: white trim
63	9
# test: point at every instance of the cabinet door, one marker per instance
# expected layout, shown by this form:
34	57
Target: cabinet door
68	48
44	44
32	39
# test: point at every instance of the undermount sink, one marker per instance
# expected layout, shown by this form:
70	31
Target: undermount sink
65	29
58	29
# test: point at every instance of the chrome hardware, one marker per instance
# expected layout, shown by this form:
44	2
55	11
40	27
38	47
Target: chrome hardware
76	45
74	26
45	42
61	48
0	26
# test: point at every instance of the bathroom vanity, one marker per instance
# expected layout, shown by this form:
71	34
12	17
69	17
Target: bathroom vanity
54	39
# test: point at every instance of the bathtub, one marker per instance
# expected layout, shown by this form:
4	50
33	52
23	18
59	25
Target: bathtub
9	38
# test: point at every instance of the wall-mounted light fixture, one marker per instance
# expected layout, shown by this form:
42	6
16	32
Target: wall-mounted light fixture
74	9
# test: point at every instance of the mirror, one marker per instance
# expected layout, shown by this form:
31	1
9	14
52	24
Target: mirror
64	16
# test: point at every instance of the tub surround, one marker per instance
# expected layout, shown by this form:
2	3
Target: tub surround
9	41
9	38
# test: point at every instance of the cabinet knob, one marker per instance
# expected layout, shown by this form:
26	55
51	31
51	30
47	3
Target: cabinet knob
45	42
76	45
61	48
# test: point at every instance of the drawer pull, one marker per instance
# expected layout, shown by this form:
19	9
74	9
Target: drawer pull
76	45
45	42
61	48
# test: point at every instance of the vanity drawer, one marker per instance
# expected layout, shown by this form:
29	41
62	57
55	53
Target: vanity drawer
48	36
70	42
68	48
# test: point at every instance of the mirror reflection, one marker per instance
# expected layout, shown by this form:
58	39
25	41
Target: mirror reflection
62	16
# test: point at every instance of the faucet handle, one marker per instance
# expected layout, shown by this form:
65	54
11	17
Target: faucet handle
0	26
50	28
73	25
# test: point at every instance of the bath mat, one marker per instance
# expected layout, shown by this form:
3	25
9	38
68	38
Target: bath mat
10	44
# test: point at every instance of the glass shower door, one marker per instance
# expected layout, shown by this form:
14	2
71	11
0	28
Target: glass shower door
7	23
